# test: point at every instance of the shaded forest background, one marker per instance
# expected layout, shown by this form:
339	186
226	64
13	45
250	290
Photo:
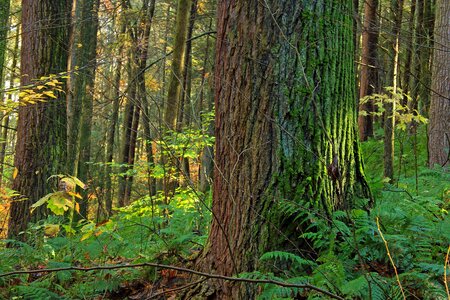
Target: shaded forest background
122	121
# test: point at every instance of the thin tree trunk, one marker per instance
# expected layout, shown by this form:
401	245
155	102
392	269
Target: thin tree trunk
174	91
112	126
4	20
206	168
409	52
184	112
149	9
369	72
175	84
390	107
86	92
5	121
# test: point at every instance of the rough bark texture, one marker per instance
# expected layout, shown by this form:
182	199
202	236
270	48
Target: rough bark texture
439	127
286	129
41	143
369	72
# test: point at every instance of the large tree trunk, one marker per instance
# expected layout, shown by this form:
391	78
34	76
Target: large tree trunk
286	129
369	71
41	142
439	127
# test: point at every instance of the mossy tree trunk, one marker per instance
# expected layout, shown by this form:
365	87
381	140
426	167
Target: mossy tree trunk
286	131
172	104
41	133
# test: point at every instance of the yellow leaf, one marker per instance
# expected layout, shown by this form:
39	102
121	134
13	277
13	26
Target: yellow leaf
51	229
50	94
16	171
75	195
86	236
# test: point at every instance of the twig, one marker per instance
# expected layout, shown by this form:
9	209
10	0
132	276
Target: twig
445	272
390	258
175	289
208	275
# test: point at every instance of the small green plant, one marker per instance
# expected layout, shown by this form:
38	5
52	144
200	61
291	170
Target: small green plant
62	201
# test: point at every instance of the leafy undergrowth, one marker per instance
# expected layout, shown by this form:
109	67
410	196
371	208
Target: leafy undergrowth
130	237
350	259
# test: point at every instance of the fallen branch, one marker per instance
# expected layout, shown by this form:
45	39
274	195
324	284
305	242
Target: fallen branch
155	265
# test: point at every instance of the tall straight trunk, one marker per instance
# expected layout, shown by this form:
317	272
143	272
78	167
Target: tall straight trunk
185	111
131	155
4	20
85	85
409	51
439	127
148	8
175	84
174	90
206	168
137	97
5	121
369	72
390	107
41	133
113	124
422	56
125	151
286	130
73	103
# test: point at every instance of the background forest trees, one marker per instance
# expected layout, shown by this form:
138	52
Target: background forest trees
271	140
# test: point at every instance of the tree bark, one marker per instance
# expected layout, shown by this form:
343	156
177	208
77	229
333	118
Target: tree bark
390	107
369	72
439	127
6	118
41	142
286	129
113	124
85	87
175	84
4	20
174	92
